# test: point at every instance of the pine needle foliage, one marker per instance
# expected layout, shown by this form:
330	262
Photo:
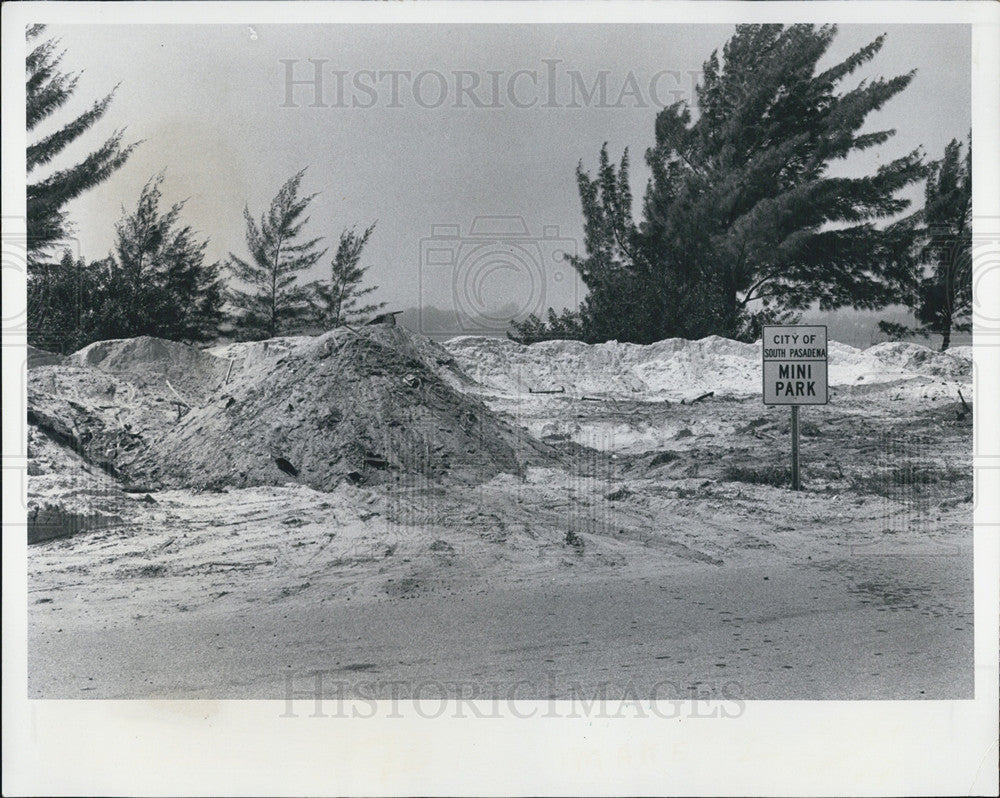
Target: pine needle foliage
48	89
742	222
275	302
338	300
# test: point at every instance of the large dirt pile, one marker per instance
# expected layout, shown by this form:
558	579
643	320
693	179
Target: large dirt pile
375	406
417	347
367	407
676	368
113	399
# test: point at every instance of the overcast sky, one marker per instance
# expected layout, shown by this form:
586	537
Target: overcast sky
210	103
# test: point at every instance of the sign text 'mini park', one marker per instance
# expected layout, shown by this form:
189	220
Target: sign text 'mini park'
795	365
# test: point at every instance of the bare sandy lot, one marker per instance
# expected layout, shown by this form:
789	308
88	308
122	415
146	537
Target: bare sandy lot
654	551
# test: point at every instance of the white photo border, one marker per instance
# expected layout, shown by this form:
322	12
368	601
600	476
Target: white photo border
245	747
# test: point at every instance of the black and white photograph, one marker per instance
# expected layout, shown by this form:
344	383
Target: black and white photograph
521	368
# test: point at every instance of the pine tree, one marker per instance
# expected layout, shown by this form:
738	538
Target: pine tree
619	304
945	294
195	289
47	90
140	239
163	286
275	303
61	298
336	301
940	289
741	222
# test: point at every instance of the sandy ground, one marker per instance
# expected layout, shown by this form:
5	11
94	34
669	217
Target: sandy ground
658	563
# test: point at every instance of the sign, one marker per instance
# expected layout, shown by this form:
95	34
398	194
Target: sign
795	365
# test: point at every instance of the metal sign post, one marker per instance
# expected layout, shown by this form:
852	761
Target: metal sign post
796	485
795	373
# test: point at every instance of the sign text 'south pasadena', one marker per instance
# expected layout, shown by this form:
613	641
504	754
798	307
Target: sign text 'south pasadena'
795	365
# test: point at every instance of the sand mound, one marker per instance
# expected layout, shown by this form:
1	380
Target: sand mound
676	368
900	359
39	357
438	359
192	372
112	399
377	406
381	405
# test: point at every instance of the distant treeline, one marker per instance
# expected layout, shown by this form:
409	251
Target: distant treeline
858	328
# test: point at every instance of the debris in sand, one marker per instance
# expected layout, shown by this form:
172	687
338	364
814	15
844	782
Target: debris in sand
699	398
661	458
236	566
376	461
179	399
388	319
966	410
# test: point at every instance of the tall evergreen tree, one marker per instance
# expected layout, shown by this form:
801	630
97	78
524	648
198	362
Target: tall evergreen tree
47	90
741	221
140	240
194	288
162	285
276	302
945	293
336	301
940	290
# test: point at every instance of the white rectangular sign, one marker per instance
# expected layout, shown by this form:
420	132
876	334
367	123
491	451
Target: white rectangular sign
795	365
